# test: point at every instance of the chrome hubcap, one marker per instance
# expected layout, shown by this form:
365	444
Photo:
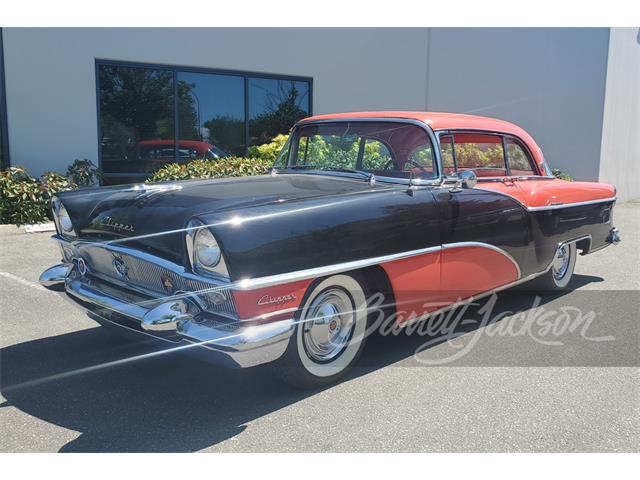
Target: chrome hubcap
561	262
328	325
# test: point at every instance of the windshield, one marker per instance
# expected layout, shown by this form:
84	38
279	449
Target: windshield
385	149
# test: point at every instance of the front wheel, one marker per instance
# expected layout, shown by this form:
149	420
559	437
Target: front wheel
559	275
330	333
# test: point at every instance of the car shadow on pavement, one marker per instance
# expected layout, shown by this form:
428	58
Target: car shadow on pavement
166	402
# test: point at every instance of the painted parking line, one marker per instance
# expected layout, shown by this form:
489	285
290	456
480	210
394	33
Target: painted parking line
23	281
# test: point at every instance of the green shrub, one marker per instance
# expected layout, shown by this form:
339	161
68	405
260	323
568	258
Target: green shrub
224	167
561	175
268	151
24	199
84	173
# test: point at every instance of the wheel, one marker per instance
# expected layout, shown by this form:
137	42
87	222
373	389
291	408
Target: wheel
329	334
561	271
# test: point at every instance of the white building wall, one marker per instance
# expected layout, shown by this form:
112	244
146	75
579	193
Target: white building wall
549	81
620	158
51	89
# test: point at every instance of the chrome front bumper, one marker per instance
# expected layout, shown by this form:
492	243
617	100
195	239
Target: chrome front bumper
171	319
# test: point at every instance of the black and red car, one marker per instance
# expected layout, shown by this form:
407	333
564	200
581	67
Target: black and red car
426	208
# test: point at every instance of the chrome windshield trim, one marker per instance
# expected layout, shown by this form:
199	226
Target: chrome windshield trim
410	121
282	278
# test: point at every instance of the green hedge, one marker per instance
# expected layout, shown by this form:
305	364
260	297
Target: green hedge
561	175
225	167
268	151
24	199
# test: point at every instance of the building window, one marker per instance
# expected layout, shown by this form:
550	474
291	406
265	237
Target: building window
137	134
153	115
273	104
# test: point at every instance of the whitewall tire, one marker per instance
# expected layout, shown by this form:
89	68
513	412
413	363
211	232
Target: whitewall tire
330	332
559	275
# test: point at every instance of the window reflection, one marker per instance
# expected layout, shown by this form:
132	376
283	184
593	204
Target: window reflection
136	118
210	111
274	106
215	112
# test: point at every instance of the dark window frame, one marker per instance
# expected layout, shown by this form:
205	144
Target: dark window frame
3	112
245	74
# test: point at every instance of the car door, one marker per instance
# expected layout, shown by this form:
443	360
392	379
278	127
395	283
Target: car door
486	236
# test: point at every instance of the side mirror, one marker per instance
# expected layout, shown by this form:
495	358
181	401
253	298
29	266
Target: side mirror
468	179
464	179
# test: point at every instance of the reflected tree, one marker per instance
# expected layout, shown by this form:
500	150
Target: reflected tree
283	107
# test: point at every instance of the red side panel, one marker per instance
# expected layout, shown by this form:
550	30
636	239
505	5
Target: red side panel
416	283
544	193
428	282
272	303
467	271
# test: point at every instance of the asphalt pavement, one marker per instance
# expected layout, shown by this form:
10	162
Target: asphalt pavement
570	382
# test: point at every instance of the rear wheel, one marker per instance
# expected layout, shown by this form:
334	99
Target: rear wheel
329	335
559	275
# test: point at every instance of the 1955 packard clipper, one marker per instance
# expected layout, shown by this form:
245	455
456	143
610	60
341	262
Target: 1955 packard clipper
427	208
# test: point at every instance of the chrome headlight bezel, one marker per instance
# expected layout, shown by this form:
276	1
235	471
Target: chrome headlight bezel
61	218
201	243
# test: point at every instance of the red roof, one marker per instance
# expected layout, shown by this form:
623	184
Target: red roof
446	121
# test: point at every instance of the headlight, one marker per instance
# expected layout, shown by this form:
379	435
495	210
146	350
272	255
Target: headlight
204	252
206	248
61	217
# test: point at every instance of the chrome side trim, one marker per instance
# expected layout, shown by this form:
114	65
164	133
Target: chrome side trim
548	207
485	245
271	280
575	204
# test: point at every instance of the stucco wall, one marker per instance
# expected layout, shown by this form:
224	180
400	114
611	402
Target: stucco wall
620	159
50	76
549	81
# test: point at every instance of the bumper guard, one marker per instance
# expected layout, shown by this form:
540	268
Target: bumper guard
171	319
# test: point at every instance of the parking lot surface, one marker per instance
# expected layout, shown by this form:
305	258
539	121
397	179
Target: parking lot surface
68	385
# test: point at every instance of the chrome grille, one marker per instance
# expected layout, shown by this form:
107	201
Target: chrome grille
148	276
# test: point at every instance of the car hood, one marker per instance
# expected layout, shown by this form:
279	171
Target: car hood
151	217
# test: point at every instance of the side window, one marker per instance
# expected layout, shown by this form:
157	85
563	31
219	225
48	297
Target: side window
481	153
376	155
519	161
